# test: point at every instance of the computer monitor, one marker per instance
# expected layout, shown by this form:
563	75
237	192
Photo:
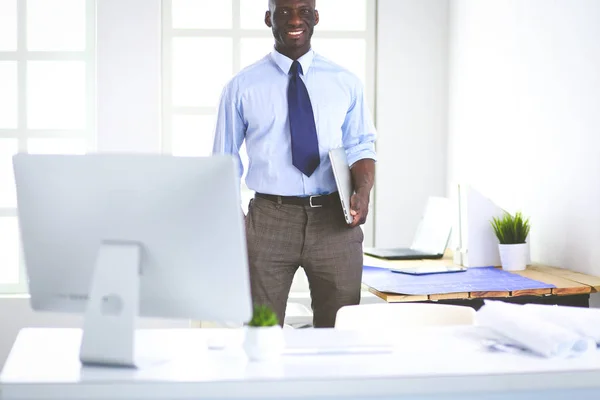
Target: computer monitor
114	236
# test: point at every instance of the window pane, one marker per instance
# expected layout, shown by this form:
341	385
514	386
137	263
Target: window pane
8	148
9	250
348	53
8	25
342	15
193	135
201	67
56	95
55	25
201	14
253	14
254	49
8	94
56	146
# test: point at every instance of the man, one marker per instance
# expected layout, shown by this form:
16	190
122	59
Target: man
291	108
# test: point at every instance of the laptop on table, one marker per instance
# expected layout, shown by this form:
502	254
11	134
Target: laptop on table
431	238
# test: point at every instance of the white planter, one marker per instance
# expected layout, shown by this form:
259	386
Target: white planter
263	343
514	257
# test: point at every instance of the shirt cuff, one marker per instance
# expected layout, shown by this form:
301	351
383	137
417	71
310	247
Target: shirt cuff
360	152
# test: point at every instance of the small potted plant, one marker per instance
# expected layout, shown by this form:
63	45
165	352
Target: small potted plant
512	232
264	336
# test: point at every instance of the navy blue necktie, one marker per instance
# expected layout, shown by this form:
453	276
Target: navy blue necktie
305	145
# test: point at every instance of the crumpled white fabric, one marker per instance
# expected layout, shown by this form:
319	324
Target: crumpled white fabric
583	321
548	331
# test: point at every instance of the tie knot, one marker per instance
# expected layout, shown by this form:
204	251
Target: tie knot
296	68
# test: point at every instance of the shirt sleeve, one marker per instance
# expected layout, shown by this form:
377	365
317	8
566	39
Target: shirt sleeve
358	130
230	128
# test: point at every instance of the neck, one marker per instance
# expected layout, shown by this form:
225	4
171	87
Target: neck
295	52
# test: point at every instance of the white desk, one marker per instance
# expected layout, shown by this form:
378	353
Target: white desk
438	363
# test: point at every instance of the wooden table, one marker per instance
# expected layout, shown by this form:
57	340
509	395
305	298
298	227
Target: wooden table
571	288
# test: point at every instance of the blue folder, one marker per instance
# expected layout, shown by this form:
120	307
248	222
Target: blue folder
484	279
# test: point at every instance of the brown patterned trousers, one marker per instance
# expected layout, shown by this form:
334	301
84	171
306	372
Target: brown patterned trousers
283	237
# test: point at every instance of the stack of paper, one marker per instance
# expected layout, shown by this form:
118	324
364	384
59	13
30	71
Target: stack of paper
549	331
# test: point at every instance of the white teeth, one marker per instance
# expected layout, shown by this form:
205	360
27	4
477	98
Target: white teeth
295	33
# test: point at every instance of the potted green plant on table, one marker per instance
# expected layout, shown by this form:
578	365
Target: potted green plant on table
512	232
264	336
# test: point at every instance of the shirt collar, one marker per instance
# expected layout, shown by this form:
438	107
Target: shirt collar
285	63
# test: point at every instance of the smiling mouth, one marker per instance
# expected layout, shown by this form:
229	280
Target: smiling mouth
295	34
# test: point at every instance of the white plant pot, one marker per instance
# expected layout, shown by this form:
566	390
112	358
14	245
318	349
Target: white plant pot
514	257
263	343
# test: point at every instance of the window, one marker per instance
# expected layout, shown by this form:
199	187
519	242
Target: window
206	42
46	100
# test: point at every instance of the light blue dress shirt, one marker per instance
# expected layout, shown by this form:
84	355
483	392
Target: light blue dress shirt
253	107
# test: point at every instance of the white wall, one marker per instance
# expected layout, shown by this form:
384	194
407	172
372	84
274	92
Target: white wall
411	114
524	120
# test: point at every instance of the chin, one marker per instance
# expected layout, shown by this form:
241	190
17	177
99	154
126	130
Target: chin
297	44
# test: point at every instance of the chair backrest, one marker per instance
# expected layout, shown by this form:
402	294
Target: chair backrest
401	315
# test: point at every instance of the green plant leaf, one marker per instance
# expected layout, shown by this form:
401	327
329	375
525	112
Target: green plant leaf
511	229
263	316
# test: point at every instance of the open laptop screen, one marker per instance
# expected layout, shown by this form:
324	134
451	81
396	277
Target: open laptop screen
433	232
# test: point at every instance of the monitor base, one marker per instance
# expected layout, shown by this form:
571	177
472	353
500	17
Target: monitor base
113	306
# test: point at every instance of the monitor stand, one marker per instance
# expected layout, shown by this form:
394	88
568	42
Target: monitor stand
113	306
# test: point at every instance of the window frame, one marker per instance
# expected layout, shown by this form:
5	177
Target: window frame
21	133
236	33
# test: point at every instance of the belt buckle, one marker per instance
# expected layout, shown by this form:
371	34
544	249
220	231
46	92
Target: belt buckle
310	202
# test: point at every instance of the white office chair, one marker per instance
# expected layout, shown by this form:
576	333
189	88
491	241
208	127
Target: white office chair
402	315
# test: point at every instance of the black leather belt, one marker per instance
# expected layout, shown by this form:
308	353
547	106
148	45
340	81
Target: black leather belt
308	201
